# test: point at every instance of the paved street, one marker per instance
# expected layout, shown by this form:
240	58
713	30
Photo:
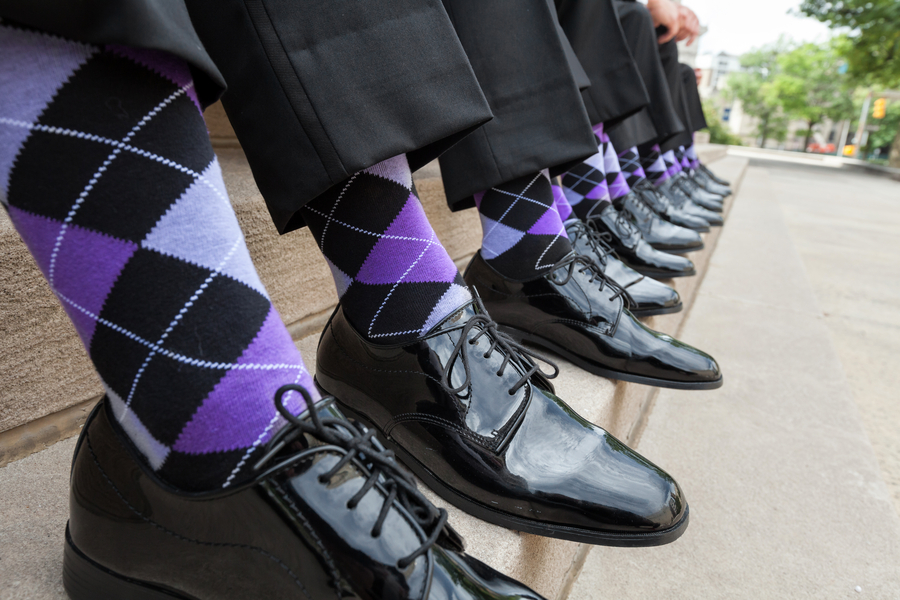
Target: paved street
792	469
788	499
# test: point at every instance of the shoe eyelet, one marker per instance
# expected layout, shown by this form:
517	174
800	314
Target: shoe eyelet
511	393
485	355
499	374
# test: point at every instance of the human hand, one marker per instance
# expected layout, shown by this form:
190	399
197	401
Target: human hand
665	13
689	25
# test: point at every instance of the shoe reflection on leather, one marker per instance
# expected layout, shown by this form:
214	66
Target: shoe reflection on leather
330	512
469	411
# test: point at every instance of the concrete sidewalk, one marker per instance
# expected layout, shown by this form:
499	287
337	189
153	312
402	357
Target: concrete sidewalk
786	496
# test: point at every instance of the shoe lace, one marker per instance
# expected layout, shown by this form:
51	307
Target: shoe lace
586	265
382	465
650	195
639	208
595	240
513	352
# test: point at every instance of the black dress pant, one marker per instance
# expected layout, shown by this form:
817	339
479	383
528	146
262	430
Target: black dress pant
662	113
316	90
617	90
540	121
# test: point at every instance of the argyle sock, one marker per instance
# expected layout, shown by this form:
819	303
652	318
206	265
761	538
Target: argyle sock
522	232
654	166
615	180
585	185
394	278
561	204
673	166
630	161
681	156
691	153
108	175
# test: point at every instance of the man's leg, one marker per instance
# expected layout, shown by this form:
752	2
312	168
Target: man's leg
394	278
108	175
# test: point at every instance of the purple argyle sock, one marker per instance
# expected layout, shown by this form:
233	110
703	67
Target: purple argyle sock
693	160
681	156
123	207
630	161
561	204
394	278
654	166
673	165
522	232
585	185
615	179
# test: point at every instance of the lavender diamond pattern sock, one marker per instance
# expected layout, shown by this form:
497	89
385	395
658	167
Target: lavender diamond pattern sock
630	162
673	165
615	179
522	233
123	208
691	154
586	186
654	166
394	278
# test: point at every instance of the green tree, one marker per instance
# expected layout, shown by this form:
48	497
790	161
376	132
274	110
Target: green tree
753	87
718	133
887	127
811	87
872	45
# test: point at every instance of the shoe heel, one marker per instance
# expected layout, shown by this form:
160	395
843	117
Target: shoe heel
84	579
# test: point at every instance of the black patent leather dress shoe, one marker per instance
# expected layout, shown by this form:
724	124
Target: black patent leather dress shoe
709	185
649	297
633	250
577	313
666	210
683	202
699	196
658	232
469	412
330	514
712	176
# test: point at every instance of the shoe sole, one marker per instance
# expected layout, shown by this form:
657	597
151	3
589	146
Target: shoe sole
521	336
666	275
84	579
678	250
651	312
502	519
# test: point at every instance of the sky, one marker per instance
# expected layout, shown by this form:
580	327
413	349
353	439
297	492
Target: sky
736	27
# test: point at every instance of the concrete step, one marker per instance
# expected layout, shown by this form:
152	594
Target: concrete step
53	386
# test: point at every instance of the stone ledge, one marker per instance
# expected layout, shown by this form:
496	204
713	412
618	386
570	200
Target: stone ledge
47	375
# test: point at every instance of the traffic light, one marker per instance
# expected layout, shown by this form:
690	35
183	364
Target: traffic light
878	109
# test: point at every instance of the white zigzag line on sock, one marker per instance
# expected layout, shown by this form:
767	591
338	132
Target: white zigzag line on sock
184	309
431	242
262	435
517	197
99	173
358	230
194	362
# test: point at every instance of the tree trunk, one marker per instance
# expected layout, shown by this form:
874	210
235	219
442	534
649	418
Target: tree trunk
765	132
894	156
808	136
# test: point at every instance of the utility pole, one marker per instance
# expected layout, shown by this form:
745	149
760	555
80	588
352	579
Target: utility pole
845	131
863	116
